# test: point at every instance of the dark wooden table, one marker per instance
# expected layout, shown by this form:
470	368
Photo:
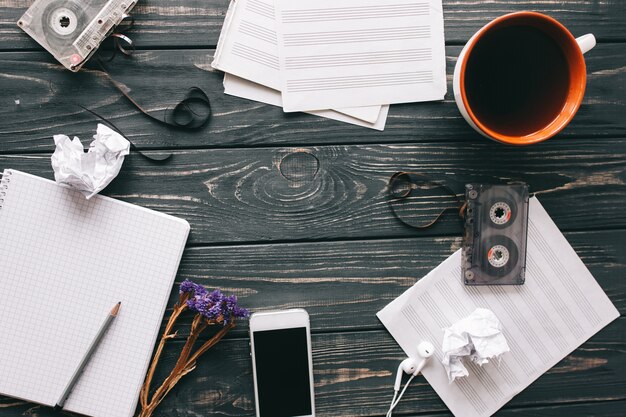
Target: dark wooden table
289	210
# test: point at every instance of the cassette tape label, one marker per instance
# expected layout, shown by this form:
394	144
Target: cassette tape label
494	243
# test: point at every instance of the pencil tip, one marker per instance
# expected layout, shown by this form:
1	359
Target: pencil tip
116	309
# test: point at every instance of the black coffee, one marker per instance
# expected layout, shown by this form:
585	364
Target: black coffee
516	80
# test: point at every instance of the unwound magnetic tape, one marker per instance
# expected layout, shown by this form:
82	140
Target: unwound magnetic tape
494	243
405	188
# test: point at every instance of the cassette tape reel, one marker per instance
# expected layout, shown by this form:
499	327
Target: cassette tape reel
496	225
72	30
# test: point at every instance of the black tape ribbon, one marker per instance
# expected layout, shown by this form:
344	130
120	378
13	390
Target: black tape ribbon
192	112
404	185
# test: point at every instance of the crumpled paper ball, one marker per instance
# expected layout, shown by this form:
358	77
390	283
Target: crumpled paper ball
89	172
477	337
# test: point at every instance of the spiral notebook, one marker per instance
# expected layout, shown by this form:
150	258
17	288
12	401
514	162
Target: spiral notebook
64	262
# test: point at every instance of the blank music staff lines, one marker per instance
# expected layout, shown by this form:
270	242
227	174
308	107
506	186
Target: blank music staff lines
358	35
355	13
374	80
255	55
359	58
258	32
260	8
359	52
248	49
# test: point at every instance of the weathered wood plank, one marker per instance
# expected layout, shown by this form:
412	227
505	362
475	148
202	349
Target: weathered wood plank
343	284
175	23
48	96
354	374
270	194
596	408
607	409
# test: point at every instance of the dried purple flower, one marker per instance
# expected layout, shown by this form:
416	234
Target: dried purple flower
216	296
214	312
190	287
214	306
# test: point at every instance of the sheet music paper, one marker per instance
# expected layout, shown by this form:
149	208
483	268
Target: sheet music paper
64	263
558	308
239	87
359	52
248	49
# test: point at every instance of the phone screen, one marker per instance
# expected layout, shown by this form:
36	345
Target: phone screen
282	370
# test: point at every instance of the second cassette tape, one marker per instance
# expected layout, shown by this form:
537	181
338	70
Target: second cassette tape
494	243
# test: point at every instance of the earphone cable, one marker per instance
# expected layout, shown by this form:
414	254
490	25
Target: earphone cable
395	395
394	404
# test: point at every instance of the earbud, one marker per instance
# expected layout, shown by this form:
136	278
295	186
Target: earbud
410	366
425	349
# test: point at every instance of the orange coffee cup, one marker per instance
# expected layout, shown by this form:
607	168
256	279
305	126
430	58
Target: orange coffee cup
521	78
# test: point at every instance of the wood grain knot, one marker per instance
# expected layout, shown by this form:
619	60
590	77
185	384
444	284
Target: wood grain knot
299	167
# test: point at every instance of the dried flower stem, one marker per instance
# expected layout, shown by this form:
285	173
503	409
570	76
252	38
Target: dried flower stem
211	309
167	334
186	361
197	326
209	343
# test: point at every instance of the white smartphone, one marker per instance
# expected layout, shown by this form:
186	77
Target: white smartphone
282	364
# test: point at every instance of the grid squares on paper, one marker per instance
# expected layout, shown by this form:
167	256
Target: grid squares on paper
65	262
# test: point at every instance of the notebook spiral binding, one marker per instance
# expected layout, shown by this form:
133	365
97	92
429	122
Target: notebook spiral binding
5	179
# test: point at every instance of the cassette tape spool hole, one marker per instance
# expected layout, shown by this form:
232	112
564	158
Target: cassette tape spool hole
498	256
63	21
501	256
500	213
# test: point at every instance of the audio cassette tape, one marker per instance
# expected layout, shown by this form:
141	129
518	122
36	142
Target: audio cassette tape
494	244
72	30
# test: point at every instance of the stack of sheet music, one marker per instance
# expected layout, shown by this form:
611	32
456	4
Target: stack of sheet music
345	60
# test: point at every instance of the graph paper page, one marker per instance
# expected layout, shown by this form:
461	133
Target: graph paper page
557	309
65	262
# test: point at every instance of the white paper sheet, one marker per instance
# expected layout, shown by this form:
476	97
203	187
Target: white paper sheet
247	48
359	52
558	308
239	87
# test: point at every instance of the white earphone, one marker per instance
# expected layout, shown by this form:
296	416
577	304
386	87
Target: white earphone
413	367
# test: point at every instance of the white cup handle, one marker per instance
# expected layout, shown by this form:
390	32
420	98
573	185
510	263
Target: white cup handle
586	42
